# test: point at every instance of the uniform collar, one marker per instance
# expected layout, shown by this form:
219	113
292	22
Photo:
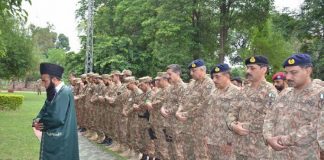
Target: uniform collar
58	87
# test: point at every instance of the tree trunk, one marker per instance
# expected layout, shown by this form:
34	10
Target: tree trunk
224	18
196	51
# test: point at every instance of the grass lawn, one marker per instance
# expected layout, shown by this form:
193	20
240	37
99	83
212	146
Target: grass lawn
17	139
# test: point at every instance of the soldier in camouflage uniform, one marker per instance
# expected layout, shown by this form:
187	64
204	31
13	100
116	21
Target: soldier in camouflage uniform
279	81
107	109
246	117
84	99
220	139
172	146
80	101
156	119
116	104
98	109
93	108
77	90
290	128
146	102
133	136
191	111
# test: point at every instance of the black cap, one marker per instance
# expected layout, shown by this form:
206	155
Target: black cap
298	60
257	60
51	69
223	67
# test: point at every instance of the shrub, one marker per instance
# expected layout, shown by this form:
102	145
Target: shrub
10	102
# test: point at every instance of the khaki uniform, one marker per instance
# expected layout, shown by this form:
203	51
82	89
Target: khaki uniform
156	121
114	116
192	107
220	140
117	107
296	114
133	135
171	124
143	118
84	99
98	106
78	109
251	109
92	107
107	117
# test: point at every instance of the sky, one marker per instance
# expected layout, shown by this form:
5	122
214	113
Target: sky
61	13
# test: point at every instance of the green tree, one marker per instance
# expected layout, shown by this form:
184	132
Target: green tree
43	38
270	43
63	42
56	56
18	59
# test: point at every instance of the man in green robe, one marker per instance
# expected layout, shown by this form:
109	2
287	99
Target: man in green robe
57	118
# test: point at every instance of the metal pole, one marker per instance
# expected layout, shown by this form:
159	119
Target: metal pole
89	47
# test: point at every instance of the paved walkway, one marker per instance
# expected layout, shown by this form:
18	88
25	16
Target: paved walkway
90	151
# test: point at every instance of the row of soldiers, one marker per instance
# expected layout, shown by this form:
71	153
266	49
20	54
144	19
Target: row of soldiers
207	118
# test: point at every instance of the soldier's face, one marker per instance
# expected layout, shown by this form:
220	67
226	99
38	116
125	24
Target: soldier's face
173	77
297	76
115	78
90	79
255	72
157	83
195	73
220	80
279	84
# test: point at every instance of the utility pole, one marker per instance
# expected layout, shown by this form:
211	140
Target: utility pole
89	47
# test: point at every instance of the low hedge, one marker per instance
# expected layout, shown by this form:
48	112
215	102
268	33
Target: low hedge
10	102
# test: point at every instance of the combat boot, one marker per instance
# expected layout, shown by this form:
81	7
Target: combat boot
115	148
126	153
94	136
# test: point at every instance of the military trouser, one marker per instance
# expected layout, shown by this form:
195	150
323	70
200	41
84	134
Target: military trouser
100	116
162	143
78	112
219	152
114	118
92	118
144	136
107	125
133	134
122	129
86	115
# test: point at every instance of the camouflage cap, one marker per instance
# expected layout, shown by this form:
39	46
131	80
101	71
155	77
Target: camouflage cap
90	74
83	76
116	72
145	79
77	80
127	72
95	75
161	75
105	76
130	79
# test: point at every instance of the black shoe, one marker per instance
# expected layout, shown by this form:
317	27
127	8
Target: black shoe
109	142
82	130
145	156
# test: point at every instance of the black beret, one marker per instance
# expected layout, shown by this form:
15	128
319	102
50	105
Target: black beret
257	60
51	69
298	60
220	68
196	63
